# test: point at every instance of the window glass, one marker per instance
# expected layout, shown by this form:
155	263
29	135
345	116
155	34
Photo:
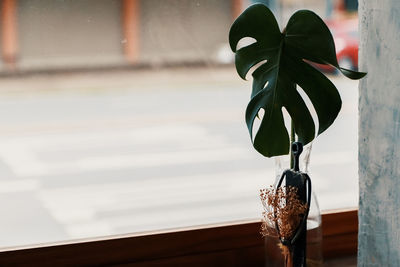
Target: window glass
128	116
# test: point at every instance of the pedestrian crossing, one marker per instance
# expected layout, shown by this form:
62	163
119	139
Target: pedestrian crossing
135	204
81	174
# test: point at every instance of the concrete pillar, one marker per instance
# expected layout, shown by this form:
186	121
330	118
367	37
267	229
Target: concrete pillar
379	134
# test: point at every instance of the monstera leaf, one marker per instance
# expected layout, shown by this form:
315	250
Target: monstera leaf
306	38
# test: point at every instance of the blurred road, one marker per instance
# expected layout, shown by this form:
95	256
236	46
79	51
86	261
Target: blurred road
84	155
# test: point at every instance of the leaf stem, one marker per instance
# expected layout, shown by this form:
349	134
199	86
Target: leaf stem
292	139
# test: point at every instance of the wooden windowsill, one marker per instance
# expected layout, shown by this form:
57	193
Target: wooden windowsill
238	244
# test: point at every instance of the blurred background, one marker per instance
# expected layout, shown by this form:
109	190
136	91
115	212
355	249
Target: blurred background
128	116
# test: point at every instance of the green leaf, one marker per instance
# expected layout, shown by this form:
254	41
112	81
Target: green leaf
306	37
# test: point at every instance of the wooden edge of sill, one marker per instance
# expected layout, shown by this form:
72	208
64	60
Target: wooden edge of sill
236	243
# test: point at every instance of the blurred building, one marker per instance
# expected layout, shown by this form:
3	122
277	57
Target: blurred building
49	34
63	34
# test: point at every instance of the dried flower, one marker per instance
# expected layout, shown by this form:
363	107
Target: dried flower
283	207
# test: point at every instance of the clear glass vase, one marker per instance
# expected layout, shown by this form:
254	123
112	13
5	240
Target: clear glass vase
274	253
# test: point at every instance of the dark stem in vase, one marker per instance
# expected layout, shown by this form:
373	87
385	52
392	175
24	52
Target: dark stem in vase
299	180
292	140
298	243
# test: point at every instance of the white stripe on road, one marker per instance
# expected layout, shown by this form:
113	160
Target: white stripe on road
161	159
20	154
13	186
77	207
154	192
154	135
24	164
21	160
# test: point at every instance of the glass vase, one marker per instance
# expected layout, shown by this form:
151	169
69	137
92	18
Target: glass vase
274	255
